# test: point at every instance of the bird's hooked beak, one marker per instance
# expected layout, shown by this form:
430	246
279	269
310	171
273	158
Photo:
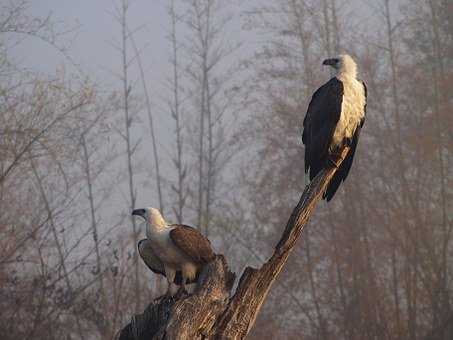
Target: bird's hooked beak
331	62
140	212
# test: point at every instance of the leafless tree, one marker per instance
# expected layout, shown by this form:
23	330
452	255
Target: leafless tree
176	109
206	22
121	17
150	119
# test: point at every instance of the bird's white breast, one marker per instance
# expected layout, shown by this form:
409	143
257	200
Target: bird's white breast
352	110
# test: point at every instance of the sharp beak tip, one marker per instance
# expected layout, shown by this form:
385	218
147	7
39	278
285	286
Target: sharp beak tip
137	212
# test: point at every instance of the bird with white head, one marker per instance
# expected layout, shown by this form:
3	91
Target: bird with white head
334	119
177	251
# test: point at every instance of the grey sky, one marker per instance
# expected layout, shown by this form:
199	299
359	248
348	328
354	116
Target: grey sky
91	49
96	30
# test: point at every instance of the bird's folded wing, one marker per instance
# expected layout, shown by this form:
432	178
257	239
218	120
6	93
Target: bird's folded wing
149	257
320	121
192	243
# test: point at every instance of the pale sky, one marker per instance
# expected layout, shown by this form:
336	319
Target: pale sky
96	30
92	50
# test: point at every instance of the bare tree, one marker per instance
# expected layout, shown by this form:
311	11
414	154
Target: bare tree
207	21
150	119
121	17
175	106
53	228
199	21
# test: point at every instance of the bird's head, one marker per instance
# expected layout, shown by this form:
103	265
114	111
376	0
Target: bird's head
343	64
151	215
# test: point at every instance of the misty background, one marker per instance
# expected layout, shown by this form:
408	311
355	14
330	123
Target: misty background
195	107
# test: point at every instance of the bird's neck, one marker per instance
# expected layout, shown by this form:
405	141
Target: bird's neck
152	229
347	72
346	76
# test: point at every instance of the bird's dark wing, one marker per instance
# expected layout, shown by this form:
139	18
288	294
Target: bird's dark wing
319	124
153	262
343	171
192	243
345	166
149	257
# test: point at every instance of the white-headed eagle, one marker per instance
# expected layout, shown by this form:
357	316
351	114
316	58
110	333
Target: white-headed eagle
177	251
334	118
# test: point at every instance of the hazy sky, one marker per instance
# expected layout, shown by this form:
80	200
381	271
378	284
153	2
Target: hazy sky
91	48
96	30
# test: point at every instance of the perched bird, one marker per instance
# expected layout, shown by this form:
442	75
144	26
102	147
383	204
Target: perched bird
177	251
334	118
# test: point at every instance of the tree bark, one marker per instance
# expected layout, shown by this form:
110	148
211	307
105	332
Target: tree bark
211	312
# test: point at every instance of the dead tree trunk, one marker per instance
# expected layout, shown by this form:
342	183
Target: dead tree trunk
211	312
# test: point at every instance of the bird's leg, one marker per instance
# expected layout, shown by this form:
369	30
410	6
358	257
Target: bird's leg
170	274
184	281
182	289
334	156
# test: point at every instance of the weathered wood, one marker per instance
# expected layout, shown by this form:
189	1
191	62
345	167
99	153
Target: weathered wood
185	317
210	313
